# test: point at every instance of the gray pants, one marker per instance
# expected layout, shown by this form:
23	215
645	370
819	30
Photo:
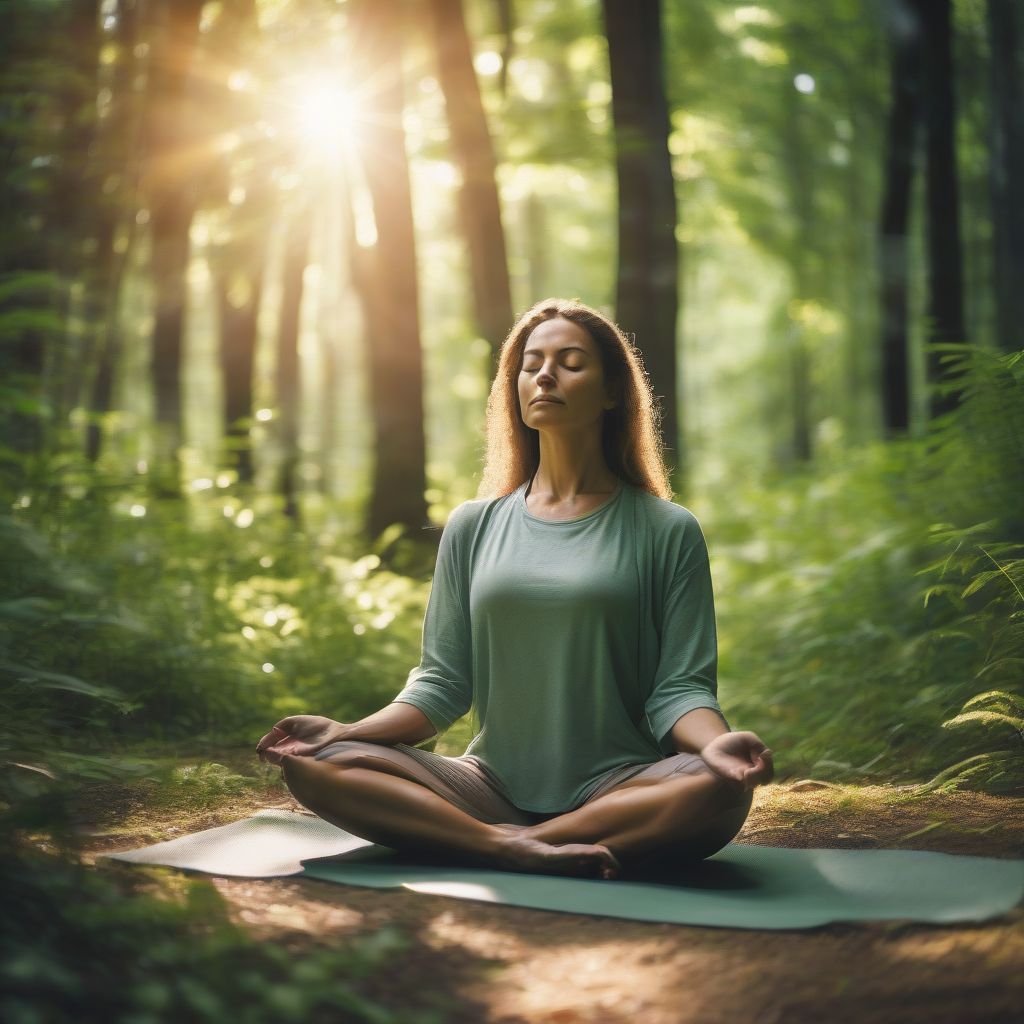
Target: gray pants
466	783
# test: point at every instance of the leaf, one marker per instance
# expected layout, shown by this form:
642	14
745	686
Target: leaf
985	718
1003	700
963	770
997	664
61	681
32	768
97	767
945	589
921	831
27	608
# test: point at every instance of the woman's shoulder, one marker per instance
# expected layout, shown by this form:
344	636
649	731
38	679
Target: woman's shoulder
467	516
666	516
675	541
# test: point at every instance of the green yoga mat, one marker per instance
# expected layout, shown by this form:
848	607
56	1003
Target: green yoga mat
741	886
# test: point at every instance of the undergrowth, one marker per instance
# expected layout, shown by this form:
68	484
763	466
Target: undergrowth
871	611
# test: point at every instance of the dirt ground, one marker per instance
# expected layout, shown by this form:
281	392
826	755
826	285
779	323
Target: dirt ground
509	965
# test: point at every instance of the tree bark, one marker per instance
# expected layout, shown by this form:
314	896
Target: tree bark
647	296
393	329
942	220
901	144
1007	169
479	206
239	288
296	256
118	142
801	182
169	192
238	262
75	220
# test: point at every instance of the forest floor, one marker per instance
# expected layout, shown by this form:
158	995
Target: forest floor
509	965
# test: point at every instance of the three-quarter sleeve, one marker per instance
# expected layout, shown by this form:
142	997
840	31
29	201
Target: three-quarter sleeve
441	686
687	670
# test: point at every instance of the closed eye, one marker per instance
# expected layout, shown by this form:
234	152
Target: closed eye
536	369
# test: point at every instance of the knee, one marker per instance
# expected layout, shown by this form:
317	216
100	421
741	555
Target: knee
304	778
716	795
296	770
729	795
347	752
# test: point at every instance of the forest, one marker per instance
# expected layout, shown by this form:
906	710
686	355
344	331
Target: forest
257	260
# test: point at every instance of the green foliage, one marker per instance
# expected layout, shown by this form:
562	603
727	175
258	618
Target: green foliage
871	611
74	948
188	621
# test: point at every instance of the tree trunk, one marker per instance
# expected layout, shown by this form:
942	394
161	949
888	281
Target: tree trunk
801	183
118	142
647	291
901	144
945	279
28	319
238	261
296	256
169	192
479	207
1007	169
393	329
239	288
75	220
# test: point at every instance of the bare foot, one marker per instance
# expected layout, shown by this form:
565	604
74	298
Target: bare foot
520	853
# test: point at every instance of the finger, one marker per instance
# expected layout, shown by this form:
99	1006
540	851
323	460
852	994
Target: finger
271	738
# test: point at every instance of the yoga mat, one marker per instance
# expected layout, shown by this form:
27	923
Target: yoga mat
741	886
269	844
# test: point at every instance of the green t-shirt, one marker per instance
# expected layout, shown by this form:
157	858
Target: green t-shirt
578	642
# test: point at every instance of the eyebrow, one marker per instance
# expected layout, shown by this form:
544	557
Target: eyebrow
568	348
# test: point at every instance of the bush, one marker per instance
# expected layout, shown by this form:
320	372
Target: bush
867	603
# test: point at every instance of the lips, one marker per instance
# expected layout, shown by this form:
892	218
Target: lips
542	398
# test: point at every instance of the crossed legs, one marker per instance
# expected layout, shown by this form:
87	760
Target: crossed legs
626	829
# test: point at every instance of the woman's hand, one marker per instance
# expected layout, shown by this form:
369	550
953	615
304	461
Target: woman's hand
741	757
299	734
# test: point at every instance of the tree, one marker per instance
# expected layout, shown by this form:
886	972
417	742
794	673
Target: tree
901	144
395	357
647	279
169	191
238	261
296	256
1007	168
117	143
942	214
479	207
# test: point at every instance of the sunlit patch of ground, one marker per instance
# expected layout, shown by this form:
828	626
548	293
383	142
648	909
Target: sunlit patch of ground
512	964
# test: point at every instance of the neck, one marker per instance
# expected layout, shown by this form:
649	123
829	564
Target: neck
569	468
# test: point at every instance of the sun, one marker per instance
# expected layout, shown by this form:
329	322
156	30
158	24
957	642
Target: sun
324	115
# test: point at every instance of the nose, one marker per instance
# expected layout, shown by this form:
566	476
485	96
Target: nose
545	375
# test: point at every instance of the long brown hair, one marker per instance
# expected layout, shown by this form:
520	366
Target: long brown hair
630	438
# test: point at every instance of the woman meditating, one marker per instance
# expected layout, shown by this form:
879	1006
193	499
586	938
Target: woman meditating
572	608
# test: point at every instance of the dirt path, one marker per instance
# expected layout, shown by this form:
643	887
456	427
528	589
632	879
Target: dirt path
512	965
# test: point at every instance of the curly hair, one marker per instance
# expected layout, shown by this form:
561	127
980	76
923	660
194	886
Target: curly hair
630	434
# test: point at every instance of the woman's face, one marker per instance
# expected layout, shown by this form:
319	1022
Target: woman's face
561	362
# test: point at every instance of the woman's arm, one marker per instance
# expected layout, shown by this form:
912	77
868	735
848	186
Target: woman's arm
396	723
740	756
696	729
304	735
